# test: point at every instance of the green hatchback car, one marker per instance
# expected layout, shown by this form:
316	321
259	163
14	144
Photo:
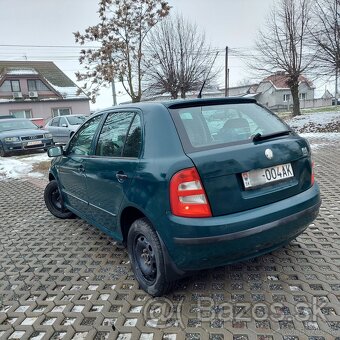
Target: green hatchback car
186	185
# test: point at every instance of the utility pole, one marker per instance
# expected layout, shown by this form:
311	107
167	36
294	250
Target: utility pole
337	60
114	95
226	85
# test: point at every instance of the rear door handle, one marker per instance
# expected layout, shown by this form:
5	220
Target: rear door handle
121	177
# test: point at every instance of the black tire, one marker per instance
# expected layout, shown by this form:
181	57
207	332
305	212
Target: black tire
54	202
2	152
147	260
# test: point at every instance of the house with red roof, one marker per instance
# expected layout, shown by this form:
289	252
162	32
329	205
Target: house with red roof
39	90
275	93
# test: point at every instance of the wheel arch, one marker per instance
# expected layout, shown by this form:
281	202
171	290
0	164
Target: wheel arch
127	217
51	177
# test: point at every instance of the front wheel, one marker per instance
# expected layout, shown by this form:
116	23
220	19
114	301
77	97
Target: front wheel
2	151
147	259
54	202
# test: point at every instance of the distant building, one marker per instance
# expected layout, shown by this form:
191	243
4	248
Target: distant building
209	92
38	90
275	93
248	90
272	92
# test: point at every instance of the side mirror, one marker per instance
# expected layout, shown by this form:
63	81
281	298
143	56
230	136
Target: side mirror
55	151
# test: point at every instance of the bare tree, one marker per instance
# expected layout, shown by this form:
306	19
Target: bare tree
283	45
179	58
326	38
123	27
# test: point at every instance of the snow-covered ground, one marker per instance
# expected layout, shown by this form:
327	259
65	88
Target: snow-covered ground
316	122
321	129
21	166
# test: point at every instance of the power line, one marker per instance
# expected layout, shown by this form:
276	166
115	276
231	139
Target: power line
48	46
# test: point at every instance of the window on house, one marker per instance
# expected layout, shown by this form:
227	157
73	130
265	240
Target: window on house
62	111
21	113
10	86
286	97
302	96
36	85
15	85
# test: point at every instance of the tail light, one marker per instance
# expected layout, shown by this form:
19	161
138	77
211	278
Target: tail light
312	175
187	195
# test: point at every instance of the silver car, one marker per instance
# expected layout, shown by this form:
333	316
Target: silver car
63	127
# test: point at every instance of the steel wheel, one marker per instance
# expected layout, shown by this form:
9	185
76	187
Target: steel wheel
54	201
145	258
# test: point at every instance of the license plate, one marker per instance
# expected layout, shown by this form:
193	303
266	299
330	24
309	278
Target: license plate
255	178
34	142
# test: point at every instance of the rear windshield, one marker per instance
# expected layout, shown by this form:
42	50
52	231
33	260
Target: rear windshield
213	126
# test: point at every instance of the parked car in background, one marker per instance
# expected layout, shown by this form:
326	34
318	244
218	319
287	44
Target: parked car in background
186	185
19	134
336	101
63	127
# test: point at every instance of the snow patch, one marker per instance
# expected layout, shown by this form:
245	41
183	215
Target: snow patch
316	122
20	166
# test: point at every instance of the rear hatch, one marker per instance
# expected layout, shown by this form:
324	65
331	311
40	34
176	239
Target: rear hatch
246	157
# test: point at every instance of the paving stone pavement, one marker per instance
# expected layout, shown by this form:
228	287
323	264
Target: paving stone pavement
63	279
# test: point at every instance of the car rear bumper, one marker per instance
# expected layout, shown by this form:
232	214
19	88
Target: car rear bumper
309	213
195	244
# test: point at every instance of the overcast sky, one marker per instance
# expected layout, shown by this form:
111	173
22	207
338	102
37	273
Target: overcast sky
39	23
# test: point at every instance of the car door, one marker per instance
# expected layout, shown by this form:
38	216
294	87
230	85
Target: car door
54	129
110	171
71	171
64	130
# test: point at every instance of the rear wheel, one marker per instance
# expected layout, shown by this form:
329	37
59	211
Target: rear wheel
54	202
147	259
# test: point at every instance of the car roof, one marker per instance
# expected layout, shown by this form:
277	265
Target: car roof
80	115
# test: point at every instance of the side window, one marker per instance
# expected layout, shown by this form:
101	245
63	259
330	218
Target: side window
112	137
134	139
63	121
55	122
80	144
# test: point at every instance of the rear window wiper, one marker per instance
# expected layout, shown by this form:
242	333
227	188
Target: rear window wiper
259	136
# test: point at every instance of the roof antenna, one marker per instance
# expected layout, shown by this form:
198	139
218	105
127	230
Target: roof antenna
212	64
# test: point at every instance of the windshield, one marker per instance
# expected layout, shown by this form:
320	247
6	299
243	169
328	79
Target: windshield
214	125
16	124
76	120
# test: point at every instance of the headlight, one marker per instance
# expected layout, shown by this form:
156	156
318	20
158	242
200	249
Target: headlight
12	139
48	135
